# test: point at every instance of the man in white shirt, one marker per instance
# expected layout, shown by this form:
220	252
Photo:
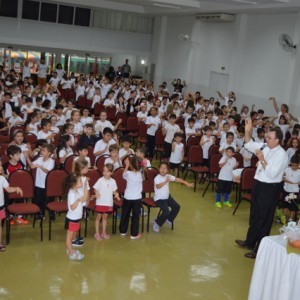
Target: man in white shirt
273	160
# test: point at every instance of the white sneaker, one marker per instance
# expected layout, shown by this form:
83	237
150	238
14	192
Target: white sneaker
169	223
155	227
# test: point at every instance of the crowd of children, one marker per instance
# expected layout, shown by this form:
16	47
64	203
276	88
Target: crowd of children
54	118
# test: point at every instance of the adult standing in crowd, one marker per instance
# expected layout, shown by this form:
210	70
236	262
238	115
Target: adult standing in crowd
273	160
126	69
42	72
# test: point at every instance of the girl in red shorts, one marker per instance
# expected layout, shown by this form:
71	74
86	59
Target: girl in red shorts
105	189
76	201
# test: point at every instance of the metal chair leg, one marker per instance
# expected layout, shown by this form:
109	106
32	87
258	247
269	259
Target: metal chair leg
207	187
50	223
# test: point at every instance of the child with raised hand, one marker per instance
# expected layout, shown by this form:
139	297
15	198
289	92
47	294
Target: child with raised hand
64	149
163	198
114	158
126	150
132	197
4	185
177	153
44	165
105	189
227	164
45	132
76	201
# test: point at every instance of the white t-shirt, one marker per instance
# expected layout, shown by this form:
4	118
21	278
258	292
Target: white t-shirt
284	128
104	89
23	148
142	115
206	146
40	178
117	164
106	188
123	152
66	84
134	185
65	152
247	155
43	135
84	179
101	145
75	214
99	126
189	131
60	73
162	193
86	120
61	120
78	128
3	185
224	146
96	99
152	120
109	102
293	176
171	130
86	158
54	81
79	91
176	155
42	72
33	128
226	171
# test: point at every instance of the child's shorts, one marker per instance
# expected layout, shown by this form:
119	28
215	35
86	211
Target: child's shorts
293	206
224	187
174	166
101	209
72	225
2	213
167	150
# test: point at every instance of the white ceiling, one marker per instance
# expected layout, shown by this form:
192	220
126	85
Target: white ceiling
179	7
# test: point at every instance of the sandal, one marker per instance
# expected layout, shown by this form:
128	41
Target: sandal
76	256
105	236
97	237
2	248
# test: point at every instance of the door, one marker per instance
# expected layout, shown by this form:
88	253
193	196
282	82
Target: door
218	82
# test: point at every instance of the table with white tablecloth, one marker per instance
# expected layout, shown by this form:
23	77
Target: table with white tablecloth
276	274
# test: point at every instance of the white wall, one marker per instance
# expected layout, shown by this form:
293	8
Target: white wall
248	49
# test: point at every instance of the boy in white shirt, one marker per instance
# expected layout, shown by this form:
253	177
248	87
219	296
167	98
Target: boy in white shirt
153	123
97	97
190	130
227	164
90	91
15	119
54	80
163	199
291	179
142	114
169	130
46	133
104	123
102	146
206	141
126	150
177	153
229	143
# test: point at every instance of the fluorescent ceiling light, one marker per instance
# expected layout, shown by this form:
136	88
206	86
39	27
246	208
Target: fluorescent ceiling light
183	3
167	6
246	2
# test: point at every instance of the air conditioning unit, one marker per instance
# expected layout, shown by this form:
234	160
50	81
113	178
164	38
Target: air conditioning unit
217	17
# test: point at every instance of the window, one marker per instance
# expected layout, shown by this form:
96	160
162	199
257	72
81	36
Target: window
48	12
9	8
65	15
82	17
31	10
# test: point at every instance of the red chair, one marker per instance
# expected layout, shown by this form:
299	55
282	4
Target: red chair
126	157
214	170
24	180
132	127
123	117
54	188
100	162
68	164
121	184
82	102
192	140
3	148
195	158
148	188
213	149
159	143
30	138
4	159
71	94
98	108
4	139
142	134
91	155
111	113
246	186
93	176
239	158
254	161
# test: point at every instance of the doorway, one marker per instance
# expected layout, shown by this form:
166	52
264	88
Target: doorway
218	82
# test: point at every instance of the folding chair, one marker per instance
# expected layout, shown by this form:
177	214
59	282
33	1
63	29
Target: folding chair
195	158
132	127
246	186
111	113
142	135
24	180
54	184
100	162
214	170
98	108
159	143
68	164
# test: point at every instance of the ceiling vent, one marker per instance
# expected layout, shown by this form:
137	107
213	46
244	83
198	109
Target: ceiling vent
218	17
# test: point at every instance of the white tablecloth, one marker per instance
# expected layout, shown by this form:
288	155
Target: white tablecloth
276	274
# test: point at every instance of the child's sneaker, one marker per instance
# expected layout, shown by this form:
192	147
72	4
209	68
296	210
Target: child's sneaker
97	237
123	234
22	221
76	256
228	204
11	222
136	237
105	236
155	227
77	243
218	205
169	223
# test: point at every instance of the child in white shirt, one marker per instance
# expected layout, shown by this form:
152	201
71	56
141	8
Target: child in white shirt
105	190
114	158
229	143
177	153
163	199
227	164
102	146
206	141
153	122
126	150
46	133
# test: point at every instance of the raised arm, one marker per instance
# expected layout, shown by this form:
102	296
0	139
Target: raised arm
275	104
